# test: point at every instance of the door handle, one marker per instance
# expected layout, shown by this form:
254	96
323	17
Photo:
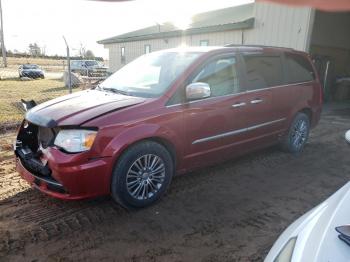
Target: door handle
239	104
256	101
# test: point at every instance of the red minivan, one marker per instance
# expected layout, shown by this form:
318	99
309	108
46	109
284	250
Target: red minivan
166	113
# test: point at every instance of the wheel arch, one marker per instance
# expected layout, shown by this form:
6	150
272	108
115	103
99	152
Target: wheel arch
168	145
307	111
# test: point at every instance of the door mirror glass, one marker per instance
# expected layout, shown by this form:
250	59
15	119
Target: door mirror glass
347	136
197	90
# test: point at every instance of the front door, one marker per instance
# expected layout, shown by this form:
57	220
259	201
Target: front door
215	124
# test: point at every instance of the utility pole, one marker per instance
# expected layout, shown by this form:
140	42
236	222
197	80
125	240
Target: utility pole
3	49
68	62
158	24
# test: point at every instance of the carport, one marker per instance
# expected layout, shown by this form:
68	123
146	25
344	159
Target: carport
330	48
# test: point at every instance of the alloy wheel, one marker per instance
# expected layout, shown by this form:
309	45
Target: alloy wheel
299	134
145	176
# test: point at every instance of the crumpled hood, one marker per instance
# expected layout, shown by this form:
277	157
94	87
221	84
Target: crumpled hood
77	108
317	239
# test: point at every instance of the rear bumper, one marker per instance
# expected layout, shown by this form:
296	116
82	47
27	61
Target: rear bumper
32	74
70	178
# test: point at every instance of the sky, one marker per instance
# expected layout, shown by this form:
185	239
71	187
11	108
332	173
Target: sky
84	22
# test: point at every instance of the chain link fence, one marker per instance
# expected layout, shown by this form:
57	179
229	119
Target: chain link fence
41	79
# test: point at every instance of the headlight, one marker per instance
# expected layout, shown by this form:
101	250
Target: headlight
286	253
75	140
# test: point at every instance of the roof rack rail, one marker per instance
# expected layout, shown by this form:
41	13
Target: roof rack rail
262	46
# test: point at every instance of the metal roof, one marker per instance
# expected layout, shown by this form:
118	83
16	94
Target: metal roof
237	17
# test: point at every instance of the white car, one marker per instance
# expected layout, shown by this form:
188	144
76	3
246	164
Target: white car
313	237
322	234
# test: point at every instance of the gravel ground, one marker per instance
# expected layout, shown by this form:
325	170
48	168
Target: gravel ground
233	211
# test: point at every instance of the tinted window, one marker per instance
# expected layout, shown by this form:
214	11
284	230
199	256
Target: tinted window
91	63
30	67
122	55
204	43
299	69
221	75
147	49
263	71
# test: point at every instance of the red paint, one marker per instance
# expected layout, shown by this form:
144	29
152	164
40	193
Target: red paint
88	174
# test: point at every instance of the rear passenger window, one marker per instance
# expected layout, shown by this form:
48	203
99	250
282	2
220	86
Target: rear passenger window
221	75
263	71
299	69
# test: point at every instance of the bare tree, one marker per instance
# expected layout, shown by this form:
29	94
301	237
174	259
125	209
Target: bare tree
34	50
43	50
82	50
89	54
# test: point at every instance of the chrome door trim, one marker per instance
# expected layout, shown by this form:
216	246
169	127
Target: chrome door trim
240	93
235	132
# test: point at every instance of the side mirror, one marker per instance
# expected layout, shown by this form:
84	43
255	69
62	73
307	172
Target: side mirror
347	136
197	90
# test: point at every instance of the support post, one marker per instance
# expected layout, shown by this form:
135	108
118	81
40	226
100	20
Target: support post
3	49
69	72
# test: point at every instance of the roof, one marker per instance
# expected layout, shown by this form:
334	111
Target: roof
237	17
195	49
241	48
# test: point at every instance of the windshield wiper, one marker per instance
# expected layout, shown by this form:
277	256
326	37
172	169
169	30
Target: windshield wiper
114	90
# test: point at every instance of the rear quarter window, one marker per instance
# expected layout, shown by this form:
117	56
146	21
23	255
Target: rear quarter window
263	71
298	69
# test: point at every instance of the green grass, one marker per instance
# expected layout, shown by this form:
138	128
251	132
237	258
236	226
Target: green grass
12	90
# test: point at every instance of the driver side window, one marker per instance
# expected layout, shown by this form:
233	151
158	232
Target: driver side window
221	75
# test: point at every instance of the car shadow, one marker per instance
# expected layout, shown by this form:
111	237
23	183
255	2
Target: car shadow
234	209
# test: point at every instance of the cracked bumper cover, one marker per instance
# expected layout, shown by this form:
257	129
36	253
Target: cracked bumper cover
72	176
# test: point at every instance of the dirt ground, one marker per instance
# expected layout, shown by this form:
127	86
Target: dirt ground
229	212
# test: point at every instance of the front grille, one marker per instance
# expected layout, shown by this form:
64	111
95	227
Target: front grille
30	141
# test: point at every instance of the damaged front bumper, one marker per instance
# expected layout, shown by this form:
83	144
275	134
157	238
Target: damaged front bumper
46	184
59	174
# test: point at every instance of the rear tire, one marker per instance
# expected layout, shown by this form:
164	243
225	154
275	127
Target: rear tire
142	175
298	134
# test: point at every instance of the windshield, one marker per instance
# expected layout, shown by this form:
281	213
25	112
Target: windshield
149	75
91	63
30	67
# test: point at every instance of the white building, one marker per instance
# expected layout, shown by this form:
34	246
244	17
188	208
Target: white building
324	35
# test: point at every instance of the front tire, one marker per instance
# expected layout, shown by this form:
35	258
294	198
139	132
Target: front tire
298	134
142	175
